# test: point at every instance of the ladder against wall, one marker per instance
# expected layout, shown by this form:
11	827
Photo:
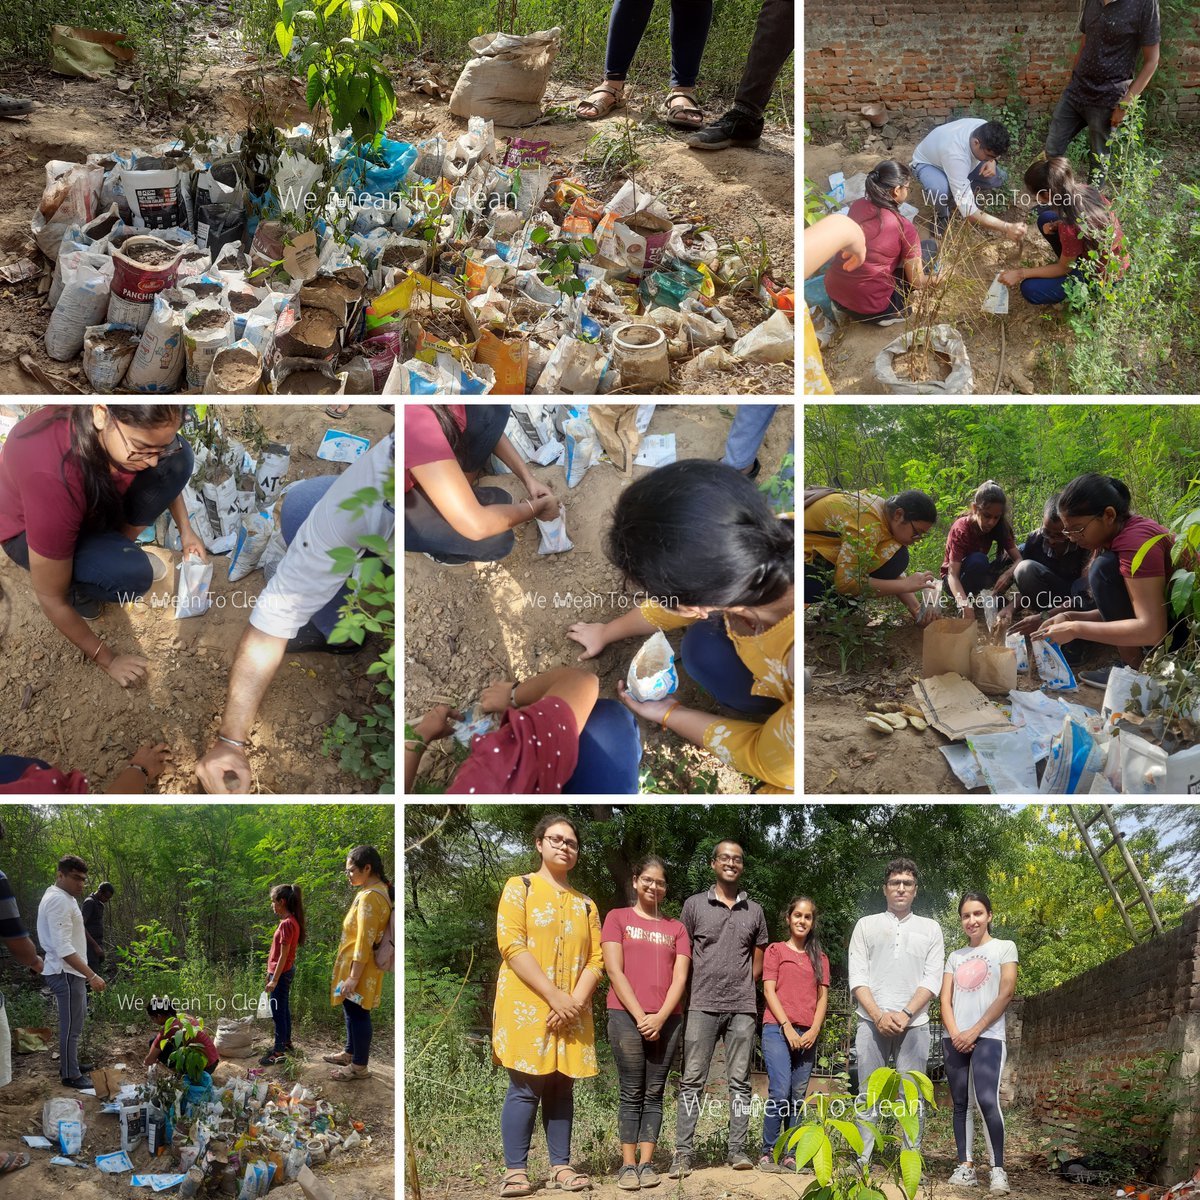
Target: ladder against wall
1099	819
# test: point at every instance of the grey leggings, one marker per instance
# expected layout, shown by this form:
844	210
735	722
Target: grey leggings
71	993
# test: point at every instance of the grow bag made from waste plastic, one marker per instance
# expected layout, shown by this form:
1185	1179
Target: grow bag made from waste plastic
944	339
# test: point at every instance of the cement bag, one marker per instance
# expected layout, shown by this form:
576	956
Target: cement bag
1016	643
154	195
507	78
947	645
195	577
93	236
616	427
220	503
574	369
583	448
271	470
84	301
652	672
158	362
107	352
554	534
772	341
994	669
60	1108
142	267
71	197
254	532
207	328
944	339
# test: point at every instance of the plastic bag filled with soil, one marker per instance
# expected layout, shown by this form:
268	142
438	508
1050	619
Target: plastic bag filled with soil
445	376
254	532
574	368
583	448
554	538
71	197
652	673
236	371
207	328
945	365
87	283
218	227
272	469
219	495
772	341
192	599
107	352
158	363
142	267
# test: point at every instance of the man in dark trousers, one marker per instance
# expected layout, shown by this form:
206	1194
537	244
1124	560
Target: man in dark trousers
1102	83
93	923
728	933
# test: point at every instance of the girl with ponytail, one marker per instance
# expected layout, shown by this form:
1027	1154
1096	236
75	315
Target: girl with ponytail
966	567
290	933
704	549
1078	224
895	252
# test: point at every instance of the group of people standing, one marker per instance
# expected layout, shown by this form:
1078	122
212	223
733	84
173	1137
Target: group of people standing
1072	578
692	982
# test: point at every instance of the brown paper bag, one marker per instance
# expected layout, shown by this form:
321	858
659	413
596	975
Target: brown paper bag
947	647
107	1082
994	669
616	427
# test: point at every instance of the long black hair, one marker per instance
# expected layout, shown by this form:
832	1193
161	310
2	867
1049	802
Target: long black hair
700	533
882	182
1089	495
450	430
916	506
368	856
983	899
290	894
812	943
103	505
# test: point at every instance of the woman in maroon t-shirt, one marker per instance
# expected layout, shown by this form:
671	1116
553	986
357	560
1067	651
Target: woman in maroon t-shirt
77	486
966	567
1132	612
647	957
287	901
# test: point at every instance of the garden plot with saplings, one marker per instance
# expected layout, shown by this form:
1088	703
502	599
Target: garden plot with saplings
325	223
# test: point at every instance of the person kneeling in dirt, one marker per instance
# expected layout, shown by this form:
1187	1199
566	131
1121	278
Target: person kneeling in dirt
855	541
162	1012
1052	574
702	542
24	776
896	255
954	162
446	517
1067	206
966	568
77	486
554	737
298	609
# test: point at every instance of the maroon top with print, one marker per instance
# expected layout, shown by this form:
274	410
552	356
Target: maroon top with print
649	949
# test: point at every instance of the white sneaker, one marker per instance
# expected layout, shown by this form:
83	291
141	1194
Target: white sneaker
999	1182
964	1175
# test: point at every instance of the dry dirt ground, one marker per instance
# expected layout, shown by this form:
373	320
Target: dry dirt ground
362	1175
735	192
850	361
468	626
80	718
843	755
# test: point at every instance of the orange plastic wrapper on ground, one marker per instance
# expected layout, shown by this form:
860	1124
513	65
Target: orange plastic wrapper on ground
509	359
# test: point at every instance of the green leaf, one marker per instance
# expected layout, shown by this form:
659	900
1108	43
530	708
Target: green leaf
910	1122
589	246
850	1132
333	7
823	1161
284	36
539	235
1143	550
314	92
910	1172
803	1143
924	1083
881	1086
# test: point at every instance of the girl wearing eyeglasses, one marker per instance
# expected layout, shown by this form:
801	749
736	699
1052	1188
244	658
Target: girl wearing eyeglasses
549	938
1131	612
78	484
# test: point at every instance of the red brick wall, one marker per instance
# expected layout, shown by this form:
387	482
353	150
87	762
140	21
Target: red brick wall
931	57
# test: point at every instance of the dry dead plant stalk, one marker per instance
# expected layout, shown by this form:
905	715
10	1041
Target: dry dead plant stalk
928	306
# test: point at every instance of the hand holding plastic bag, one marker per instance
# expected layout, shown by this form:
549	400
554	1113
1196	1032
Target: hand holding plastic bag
194	580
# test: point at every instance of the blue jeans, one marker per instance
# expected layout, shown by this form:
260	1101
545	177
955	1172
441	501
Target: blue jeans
787	1080
108	566
1049	291
746	434
610	751
556	1095
710	659
979	572
818	574
690	20
936	186
358	1032
281	1013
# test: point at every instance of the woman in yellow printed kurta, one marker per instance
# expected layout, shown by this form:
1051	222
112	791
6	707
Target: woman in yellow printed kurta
354	971
549	938
701	540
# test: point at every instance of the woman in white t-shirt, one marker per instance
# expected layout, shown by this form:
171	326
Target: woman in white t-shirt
977	987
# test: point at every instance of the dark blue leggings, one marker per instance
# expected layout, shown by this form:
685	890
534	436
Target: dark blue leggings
690	20
1049	291
12	767
710	658
975	1077
610	751
818	574
1111	593
108	566
358	1032
556	1095
281	1013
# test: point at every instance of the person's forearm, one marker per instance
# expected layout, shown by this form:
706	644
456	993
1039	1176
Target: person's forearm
1054	270
891	587
1131	632
772	999
620	984
919	999
499	518
539	686
75	629
412	761
23	950
987	221
689	723
91	941
526	969
954	583
866	1001
129	780
178	510
1149	66
79	963
994	1009
508	454
258	658
628	625
821	1010
673	997
588	982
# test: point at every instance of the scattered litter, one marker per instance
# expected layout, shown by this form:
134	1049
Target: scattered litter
114	1164
60	1161
996	300
475	723
658	449
1052	666
964	764
36	1141
337	446
161	1183
955	707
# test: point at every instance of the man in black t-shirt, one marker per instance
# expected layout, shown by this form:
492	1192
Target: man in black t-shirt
93	923
1102	83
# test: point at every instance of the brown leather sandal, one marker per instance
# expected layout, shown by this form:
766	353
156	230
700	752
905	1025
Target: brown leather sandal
600	107
681	110
516	1184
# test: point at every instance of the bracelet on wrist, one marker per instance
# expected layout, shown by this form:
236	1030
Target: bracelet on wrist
669	711
231	741
139	767
99	647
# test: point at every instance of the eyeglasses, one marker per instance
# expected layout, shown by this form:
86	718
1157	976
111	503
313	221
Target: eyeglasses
172	447
902	883
654	883
918	534
558	842
352	870
1074	533
735	859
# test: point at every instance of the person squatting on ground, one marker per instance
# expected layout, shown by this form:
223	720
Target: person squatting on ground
966	568
542	1033
728	934
853	540
1102	84
66	973
955	161
896	255
977	986
895	969
162	1012
446	516
834	234
796	990
287	902
647	957
1079	226
702	542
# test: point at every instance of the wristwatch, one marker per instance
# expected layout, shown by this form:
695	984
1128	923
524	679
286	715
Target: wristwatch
909	1015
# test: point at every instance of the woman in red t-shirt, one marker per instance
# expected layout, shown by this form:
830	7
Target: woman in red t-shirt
1132	612
796	987
966	567
647	957
77	486
896	255
290	933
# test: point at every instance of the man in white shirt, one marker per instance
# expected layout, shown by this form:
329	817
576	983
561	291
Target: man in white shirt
302	598
956	160
895	969
65	970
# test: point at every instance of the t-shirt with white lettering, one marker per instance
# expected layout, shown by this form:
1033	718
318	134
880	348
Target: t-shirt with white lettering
976	973
649	948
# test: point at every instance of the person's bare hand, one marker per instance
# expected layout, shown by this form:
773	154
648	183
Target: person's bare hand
590	635
1015	232
1117	116
808	1039
537	490
436	723
496	697
220	762
545	508
988	169
153	759
918	580
127	669
97	984
1027	624
1011	278
792	1037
